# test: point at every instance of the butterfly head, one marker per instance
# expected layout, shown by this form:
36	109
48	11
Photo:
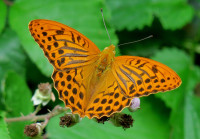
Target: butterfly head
108	53
110	50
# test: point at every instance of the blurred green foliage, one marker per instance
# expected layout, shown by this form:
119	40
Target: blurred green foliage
17	103
175	25
3	11
4	134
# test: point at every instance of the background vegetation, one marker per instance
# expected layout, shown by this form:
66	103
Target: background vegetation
175	25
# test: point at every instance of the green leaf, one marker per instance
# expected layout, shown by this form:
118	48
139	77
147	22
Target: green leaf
3	11
132	14
83	16
18	101
3	127
191	117
150	122
192	103
184	119
12	56
178	11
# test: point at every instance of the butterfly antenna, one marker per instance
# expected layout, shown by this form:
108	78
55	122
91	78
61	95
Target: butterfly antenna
105	25
136	41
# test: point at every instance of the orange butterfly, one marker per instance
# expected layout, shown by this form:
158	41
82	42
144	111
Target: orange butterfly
94	83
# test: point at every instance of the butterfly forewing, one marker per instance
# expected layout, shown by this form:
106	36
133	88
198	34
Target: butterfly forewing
139	76
65	47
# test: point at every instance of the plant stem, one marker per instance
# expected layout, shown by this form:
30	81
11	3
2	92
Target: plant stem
32	117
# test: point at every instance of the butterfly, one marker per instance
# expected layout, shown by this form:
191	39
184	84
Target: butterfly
94	83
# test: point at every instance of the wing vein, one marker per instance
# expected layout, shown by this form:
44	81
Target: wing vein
135	73
127	75
74	55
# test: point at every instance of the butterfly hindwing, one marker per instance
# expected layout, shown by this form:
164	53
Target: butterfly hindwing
64	47
72	86
139	76
70	91
107	97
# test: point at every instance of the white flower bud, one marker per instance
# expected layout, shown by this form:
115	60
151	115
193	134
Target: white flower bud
43	94
135	104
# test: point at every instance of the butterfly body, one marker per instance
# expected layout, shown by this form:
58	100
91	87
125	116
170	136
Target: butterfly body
105	60
93	83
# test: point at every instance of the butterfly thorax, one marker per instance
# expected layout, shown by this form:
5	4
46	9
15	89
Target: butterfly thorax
105	60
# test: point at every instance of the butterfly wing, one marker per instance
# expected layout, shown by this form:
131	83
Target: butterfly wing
72	87
137	76
64	47
73	57
107	97
129	76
